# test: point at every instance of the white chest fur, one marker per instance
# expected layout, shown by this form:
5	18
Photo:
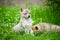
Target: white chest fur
24	25
26	22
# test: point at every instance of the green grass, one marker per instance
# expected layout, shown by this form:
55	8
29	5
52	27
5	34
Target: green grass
10	16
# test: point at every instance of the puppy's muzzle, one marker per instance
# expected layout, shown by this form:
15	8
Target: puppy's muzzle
28	16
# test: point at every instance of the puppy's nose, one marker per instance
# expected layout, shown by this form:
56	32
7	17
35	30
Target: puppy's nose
28	16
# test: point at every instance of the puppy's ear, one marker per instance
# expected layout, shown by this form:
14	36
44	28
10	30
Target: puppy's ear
28	8
21	9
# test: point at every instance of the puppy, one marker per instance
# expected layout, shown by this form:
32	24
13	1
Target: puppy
25	23
45	27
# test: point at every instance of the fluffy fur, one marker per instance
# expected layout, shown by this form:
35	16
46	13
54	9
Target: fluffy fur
25	23
45	27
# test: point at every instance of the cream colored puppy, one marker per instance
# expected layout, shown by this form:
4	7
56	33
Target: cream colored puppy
45	27
25	23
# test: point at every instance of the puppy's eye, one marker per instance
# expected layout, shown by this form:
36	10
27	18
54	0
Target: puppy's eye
36	28
25	13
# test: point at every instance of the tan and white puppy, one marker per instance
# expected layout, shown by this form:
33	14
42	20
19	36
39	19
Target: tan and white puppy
25	23
45	27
